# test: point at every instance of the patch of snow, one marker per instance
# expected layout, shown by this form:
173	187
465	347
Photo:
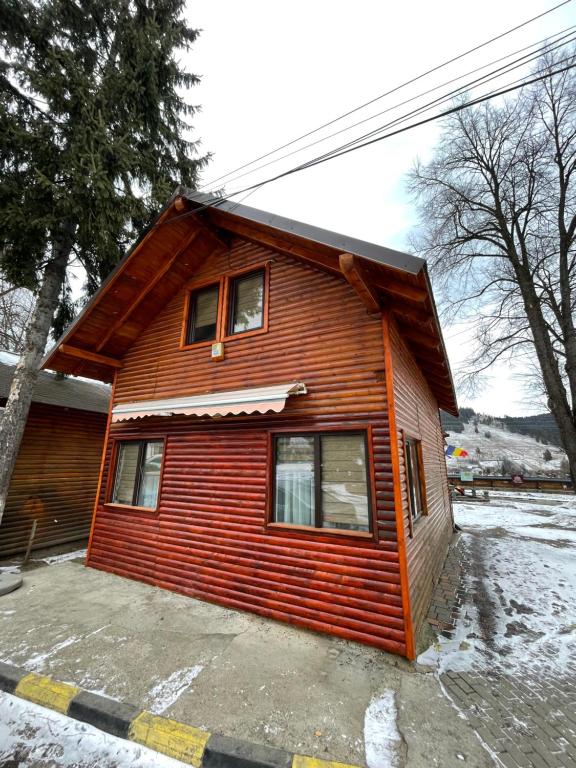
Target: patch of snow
66	556
525	572
381	737
166	692
38	661
550	522
10	569
38	736
8	358
568	498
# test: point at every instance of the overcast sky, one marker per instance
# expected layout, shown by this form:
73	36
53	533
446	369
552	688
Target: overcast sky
274	71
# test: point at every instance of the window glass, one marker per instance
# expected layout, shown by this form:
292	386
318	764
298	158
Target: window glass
203	317
247	303
414	479
321	480
150	475
126	471
294	502
137	479
344	483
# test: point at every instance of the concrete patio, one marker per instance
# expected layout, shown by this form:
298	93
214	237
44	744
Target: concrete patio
230	672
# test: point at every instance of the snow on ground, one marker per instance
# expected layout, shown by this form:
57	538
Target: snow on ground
166	692
51	560
381	737
558	498
42	662
520	582
66	556
32	735
521	449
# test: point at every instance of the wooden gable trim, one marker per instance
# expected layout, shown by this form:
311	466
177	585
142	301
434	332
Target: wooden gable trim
354	274
421	339
149	288
93	357
274	240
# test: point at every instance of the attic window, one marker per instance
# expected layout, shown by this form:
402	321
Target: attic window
203	314
246	303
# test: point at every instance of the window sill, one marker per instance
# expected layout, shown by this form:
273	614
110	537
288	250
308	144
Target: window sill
131	508
198	344
288	527
245	334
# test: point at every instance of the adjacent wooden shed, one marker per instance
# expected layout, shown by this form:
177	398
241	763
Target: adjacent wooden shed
56	474
274	439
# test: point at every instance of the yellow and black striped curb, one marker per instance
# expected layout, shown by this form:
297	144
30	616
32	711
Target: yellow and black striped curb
193	746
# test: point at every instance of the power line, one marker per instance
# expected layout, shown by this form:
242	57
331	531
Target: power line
391	91
347	149
215	201
339	150
553	45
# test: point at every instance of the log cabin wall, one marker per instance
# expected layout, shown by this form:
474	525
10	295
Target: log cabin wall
208	538
418	416
55	478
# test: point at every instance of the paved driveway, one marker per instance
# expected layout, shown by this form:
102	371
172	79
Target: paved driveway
229	672
506	611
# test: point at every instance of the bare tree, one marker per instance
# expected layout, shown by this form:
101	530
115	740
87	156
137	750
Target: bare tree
16	305
497	204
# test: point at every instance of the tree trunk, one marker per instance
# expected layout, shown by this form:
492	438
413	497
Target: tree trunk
558	402
15	414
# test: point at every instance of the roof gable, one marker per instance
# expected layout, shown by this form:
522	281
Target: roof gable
189	230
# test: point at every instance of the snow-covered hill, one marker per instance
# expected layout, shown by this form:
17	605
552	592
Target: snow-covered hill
486	453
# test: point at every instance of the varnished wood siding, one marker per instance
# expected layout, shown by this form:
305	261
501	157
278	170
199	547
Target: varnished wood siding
417	415
55	478
208	538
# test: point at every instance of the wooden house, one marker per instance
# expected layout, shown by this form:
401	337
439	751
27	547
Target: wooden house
274	442
56	472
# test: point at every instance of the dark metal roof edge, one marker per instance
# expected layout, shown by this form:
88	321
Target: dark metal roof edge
378	253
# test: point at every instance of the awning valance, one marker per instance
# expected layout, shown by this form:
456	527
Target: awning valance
231	403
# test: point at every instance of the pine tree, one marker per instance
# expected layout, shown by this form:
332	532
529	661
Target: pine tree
94	135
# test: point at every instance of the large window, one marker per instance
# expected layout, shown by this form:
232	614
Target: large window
137	475
246	311
321	480
414	477
203	315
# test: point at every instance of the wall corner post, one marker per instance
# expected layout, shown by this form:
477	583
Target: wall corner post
396	479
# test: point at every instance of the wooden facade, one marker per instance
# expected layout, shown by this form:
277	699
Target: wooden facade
56	473
333	321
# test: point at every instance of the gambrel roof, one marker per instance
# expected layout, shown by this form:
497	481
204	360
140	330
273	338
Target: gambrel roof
192	227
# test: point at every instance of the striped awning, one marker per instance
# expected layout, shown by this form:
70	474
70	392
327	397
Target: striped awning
231	403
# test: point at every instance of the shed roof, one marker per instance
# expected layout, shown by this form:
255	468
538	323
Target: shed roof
191	228
55	390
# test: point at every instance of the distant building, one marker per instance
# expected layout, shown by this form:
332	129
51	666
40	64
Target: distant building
56	474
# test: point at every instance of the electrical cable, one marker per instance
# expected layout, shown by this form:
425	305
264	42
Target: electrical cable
391	91
216	200
500	72
347	149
